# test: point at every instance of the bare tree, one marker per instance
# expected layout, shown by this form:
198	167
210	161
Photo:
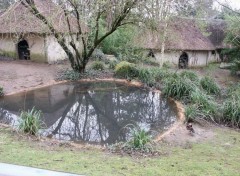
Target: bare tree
81	13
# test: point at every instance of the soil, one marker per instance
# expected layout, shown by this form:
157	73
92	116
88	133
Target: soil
16	76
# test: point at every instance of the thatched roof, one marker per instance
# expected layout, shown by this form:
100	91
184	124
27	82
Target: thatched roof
183	34
19	19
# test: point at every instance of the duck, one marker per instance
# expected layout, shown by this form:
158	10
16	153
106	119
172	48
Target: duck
190	128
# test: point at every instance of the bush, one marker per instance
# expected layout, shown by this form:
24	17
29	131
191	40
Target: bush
167	64
146	76
209	85
204	103
1	91
112	64
139	138
69	75
236	67
98	65
126	70
231	110
30	121
190	75
190	112
178	87
98	55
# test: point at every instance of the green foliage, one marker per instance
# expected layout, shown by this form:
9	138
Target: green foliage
112	64
209	85
139	138
98	65
190	112
190	75
167	64
119	40
30	121
69	75
1	91
236	66
231	107
126	70
231	110
178	87
204	103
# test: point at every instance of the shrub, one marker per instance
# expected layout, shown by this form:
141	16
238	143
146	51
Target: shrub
146	76
190	75
1	91
98	55
69	75
178	87
30	121
139	138
190	112
112	64
209	85
97	65
231	110
236	67
167	64
126	70
206	106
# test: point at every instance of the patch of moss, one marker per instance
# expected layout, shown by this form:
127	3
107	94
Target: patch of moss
38	57
10	54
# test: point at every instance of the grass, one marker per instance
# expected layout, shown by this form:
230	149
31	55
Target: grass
30	121
209	85
1	91
214	157
98	65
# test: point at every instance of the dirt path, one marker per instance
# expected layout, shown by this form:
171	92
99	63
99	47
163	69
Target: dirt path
22	75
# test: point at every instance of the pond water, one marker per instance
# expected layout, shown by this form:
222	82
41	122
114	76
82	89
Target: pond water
95	113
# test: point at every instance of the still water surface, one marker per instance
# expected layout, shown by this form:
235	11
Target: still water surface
95	113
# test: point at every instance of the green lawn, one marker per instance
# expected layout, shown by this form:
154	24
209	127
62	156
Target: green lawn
220	156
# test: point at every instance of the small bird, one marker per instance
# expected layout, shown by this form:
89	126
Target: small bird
190	128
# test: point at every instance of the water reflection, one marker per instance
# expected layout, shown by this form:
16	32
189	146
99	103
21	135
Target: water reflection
92	112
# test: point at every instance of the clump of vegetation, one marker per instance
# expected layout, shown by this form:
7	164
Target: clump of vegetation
190	112
30	121
112	64
139	138
190	75
69	75
126	70
98	65
204	103
209	85
1	91
178	87
231	107
167	65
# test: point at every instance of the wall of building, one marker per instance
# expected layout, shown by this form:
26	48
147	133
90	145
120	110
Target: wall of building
196	58
54	50
8	46
37	48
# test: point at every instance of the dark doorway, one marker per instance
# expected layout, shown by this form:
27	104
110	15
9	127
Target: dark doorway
23	50
183	61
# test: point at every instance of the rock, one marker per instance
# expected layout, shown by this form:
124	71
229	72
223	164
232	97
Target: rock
225	65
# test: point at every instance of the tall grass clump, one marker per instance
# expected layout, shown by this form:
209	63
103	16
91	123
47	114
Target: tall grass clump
190	75
190	112
126	70
30	121
98	65
206	107
69	75
139	138
178	87
231	107
209	85
1	91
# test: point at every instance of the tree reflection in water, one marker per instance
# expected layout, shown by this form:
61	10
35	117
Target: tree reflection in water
98	112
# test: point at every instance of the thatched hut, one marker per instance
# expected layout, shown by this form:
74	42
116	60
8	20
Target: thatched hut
24	36
185	44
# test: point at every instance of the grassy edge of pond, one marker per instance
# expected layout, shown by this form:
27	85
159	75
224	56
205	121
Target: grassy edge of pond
210	157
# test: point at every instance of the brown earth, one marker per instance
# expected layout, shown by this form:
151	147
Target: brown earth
18	76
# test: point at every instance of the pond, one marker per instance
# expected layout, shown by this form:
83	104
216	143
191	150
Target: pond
92	112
